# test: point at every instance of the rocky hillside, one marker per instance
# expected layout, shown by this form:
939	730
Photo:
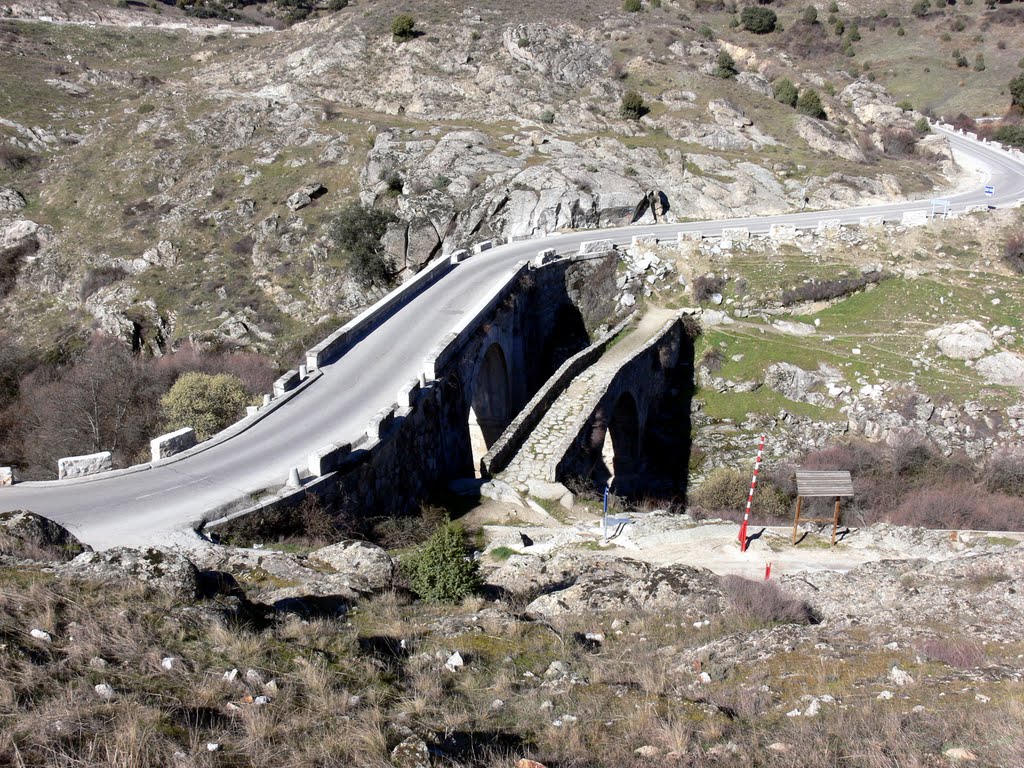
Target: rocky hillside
166	184
572	658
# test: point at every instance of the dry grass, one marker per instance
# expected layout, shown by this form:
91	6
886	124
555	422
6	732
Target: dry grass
344	690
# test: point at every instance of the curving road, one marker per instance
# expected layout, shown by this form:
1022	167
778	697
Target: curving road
150	504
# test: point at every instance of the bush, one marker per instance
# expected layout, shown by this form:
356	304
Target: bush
707	33
547	117
98	277
1004	473
959	58
1010	134
337	5
920	8
357	231
810	15
207	403
763	603
442	573
922	126
786	93
825	290
1017	90
633	107
854	34
403	27
758	20
631	6
1013	252
898	142
958	506
809	104
725	66
704	287
725	490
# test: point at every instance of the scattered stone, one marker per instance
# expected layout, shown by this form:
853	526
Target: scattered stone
960	754
168	663
982	698
497	704
780	746
526	763
455	661
900	677
231	675
105	691
648	750
41	634
885	695
213	746
412	752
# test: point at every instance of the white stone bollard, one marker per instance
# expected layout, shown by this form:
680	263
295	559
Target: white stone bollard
80	466
6	476
172	443
251	410
266	400
293	478
303	372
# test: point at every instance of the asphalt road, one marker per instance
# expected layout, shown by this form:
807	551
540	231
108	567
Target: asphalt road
148	506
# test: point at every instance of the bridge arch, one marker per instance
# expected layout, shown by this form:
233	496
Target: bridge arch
621	450
490	407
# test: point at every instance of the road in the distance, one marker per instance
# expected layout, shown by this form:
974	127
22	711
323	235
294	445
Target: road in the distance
145	507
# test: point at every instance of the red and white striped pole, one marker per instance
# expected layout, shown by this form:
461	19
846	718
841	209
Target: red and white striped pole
750	496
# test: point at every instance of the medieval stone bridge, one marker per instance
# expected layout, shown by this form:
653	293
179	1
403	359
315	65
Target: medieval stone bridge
495	386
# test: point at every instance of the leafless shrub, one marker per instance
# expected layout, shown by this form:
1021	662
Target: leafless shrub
100	277
825	290
705	286
958	506
14	158
1004	473
713	359
1013	252
898	142
959	652
763	602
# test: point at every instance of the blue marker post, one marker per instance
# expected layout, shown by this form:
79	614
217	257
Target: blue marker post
604	518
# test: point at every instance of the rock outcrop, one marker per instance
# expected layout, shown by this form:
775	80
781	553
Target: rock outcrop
27	535
157	567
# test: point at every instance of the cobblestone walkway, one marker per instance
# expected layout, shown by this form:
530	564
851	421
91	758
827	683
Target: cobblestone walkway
542	450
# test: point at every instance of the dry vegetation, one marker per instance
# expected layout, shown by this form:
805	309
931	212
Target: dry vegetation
345	690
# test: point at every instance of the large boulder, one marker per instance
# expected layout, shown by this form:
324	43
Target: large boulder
25	534
1005	368
793	382
529	575
157	567
622	587
11	200
368	566
962	341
